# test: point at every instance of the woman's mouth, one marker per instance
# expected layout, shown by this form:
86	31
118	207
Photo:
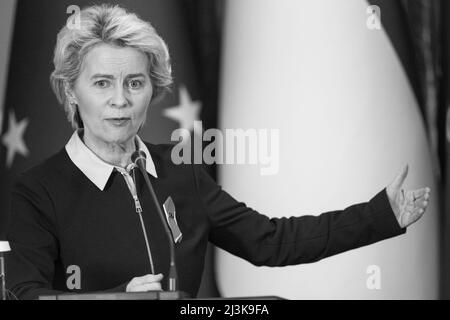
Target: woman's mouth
118	122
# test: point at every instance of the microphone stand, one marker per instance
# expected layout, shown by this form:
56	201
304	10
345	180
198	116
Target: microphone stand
3	295
173	270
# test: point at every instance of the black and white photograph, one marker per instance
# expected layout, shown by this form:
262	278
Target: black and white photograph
224	150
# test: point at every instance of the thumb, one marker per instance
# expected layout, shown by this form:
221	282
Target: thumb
400	178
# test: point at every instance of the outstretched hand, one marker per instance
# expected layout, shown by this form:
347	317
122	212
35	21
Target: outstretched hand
408	205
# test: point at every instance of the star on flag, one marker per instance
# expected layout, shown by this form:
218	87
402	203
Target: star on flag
186	112
13	138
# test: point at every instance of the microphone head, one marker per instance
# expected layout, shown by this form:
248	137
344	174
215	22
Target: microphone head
4	246
137	156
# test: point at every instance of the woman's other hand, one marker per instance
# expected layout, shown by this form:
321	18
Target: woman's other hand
149	282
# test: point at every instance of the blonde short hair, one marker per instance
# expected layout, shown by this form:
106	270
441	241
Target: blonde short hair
111	25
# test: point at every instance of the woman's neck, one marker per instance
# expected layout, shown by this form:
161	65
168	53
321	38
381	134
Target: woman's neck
116	154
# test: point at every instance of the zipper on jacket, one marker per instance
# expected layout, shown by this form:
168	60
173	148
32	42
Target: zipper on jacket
138	207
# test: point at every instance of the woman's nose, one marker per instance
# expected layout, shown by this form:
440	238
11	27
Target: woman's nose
119	99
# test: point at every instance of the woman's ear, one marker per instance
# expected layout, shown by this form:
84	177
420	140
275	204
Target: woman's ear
69	94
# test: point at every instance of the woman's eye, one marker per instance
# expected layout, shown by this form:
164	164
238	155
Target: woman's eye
102	84
135	84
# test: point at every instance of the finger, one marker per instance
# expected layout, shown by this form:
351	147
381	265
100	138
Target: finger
412	216
154	286
417	200
418	211
420	205
423	204
421	193
400	178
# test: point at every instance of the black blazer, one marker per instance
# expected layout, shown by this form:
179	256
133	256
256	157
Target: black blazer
60	219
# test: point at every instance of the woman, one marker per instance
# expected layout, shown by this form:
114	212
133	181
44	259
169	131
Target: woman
80	211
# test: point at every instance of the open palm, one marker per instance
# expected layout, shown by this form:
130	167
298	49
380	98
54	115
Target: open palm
408	205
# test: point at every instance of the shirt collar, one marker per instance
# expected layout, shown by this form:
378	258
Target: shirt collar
97	170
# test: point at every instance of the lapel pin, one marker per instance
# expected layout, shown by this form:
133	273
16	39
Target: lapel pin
169	210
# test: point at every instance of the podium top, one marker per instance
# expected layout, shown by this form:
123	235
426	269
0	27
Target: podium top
150	295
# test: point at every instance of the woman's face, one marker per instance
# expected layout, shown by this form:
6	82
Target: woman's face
113	92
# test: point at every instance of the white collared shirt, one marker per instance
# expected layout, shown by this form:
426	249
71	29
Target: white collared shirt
97	170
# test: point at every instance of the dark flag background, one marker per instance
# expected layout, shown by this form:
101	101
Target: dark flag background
443	129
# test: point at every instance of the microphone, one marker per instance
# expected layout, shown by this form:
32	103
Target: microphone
139	158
